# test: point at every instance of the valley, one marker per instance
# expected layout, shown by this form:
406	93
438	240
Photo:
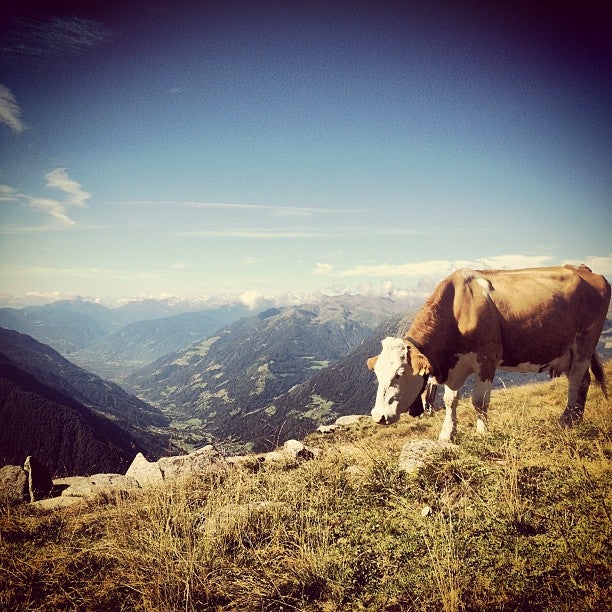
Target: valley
243	380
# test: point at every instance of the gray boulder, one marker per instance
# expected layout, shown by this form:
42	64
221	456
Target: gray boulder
88	486
418	453
144	472
13	485
203	459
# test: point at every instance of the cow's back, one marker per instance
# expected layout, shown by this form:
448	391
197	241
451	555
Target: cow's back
539	311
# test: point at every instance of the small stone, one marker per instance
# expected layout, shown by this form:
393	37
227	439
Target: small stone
426	511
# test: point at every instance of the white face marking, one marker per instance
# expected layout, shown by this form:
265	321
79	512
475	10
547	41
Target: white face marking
398	386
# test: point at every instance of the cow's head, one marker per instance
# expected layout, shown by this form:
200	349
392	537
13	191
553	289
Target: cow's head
399	387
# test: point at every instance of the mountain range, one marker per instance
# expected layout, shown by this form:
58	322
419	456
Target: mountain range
246	380
221	385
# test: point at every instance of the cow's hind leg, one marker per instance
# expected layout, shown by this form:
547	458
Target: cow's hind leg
449	427
579	380
481	396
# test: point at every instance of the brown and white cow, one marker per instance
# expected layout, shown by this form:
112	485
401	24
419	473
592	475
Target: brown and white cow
530	320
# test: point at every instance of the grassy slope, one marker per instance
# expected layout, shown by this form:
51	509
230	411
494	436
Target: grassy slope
520	519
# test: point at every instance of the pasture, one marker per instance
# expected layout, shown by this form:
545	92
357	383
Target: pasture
517	519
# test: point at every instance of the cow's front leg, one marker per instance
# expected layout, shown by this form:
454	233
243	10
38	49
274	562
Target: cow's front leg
449	427
579	380
481	395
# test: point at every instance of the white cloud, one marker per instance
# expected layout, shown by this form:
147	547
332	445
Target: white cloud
322	268
250	298
388	287
56	209
52	207
599	265
59	179
411	269
8	194
10	113
515	260
436	269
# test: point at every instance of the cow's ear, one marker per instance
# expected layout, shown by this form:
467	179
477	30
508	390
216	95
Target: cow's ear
372	362
420	363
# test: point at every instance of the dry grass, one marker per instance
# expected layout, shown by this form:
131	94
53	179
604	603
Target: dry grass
520	520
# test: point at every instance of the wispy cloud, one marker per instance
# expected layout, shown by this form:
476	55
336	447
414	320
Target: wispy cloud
601	265
53	37
409	269
59	179
442	267
285	211
322	268
270	233
515	260
56	209
10	113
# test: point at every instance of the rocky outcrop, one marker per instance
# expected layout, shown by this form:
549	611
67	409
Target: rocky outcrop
146	473
13	485
143	473
29	483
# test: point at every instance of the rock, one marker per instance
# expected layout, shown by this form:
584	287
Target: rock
246	462
145	472
13	485
193	463
418	453
40	482
170	468
297	450
88	486
350	419
291	451
426	511
276	456
52	503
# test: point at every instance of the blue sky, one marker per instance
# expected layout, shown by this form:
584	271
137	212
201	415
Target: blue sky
230	148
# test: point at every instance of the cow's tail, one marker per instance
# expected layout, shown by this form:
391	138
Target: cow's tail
598	372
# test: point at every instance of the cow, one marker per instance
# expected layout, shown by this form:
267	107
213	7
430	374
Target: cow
478	321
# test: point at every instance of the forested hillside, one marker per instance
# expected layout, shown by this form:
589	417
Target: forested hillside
144	422
66	436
